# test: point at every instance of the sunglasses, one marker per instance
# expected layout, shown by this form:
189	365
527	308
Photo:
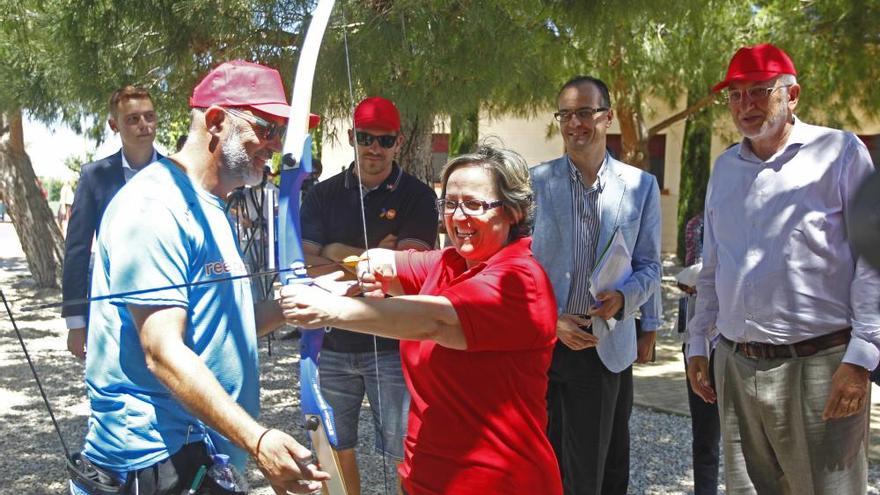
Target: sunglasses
269	130
366	139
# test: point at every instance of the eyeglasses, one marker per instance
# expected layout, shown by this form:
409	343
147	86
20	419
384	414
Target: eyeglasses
270	130
583	113
366	139
470	207
756	94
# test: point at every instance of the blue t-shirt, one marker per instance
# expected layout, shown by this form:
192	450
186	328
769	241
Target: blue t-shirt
162	230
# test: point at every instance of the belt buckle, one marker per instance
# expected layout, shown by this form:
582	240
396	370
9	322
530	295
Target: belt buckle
748	350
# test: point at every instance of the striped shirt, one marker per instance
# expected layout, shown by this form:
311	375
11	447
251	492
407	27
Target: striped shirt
585	211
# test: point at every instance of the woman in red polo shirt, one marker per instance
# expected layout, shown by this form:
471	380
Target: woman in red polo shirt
477	324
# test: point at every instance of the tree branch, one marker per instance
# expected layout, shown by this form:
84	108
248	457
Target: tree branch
696	107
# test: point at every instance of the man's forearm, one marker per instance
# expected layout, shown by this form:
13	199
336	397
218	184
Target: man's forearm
403	318
338	251
864	348
640	286
193	384
707	304
704	319
75	280
188	378
268	316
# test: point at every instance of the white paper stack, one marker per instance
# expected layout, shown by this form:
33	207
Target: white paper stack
612	270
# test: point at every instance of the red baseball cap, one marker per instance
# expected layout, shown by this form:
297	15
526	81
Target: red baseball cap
244	84
756	63
377	112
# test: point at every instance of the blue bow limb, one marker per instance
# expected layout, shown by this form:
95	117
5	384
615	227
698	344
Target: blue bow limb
296	164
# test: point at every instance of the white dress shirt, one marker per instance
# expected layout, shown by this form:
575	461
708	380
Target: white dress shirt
777	264
128	171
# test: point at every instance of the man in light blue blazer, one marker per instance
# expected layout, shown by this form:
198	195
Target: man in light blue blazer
582	198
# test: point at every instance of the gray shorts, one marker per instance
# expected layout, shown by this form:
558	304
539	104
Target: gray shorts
345	377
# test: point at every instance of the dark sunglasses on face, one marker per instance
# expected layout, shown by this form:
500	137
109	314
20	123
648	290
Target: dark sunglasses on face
269	130
366	139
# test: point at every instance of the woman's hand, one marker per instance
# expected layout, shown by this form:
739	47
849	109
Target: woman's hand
376	283
335	284
312	305
377	271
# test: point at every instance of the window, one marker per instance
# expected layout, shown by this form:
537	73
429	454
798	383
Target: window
656	154
439	154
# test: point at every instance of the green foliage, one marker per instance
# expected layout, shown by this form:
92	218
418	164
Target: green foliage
464	131
52	187
64	57
645	48
695	165
173	128
76	162
835	45
61	58
437	57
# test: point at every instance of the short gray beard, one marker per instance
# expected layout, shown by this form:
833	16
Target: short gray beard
235	160
781	115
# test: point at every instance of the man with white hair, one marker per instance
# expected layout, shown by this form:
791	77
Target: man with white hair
797	311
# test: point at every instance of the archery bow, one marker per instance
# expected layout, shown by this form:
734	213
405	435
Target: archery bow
295	164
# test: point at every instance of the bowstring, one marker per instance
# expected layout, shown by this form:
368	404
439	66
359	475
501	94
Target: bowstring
86	300
357	165
36	376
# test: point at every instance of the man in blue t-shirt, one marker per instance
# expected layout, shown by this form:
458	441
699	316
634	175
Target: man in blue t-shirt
172	371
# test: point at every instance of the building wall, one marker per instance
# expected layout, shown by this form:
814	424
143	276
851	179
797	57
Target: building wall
529	137
537	139
336	153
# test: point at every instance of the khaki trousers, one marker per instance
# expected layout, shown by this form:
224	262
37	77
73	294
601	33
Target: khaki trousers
774	438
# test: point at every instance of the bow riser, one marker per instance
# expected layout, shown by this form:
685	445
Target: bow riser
319	421
296	165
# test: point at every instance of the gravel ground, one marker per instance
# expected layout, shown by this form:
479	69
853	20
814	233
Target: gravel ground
32	457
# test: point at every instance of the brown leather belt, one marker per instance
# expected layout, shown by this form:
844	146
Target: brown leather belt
759	350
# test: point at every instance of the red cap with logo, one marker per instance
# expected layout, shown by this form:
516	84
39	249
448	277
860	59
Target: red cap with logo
378	113
244	84
756	63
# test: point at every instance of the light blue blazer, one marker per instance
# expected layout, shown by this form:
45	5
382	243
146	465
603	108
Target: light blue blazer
630	200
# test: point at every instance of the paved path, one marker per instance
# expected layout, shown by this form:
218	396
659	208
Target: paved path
661	385
35	467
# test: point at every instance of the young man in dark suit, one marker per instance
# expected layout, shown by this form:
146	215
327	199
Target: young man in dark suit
131	115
